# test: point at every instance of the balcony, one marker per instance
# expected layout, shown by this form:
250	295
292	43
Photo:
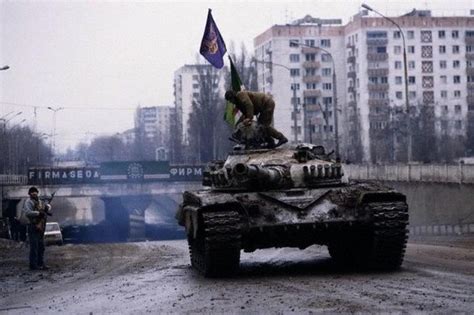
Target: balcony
311	64
351	89
470	71
470	56
470	98
469	40
378	102
351	75
381	72
309	50
351	59
312	108
377	41
352	104
312	79
378	87
470	87
377	56
311	93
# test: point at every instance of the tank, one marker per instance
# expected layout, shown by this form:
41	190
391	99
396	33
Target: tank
291	197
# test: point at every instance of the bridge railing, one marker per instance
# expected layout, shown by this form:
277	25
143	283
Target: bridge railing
438	173
6	179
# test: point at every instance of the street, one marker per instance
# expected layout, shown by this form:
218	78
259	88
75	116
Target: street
156	277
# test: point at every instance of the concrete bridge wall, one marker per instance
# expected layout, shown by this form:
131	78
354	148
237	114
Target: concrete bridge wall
440	197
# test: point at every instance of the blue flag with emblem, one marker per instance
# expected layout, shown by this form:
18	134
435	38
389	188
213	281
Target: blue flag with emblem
212	45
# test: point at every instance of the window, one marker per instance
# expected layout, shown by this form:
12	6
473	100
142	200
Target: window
441	34
410	34
310	57
442	64
196	94
456	79
195	77
398	80
426	37
397	50
326	72
442	49
443	79
456	64
397	34
295	85
294	42
458	124
325	43
295	72
398	64
426	51
455	34
311	86
455	49
384	80
195	86
399	95
412	95
411	65
411	80
444	94
309	42
327	86
457	94
411	49
325	57
294	57
457	108
469	48
310	71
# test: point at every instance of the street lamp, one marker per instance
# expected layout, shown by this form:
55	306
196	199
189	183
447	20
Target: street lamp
334	92
405	73
4	68
295	108
55	110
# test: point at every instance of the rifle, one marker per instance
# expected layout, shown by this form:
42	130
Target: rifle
41	225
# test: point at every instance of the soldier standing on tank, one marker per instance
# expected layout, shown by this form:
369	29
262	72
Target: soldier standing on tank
36	211
256	103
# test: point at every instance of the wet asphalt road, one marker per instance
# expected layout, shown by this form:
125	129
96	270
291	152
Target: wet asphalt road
155	277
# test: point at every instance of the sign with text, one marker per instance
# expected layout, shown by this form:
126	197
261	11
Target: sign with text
186	172
134	171
45	176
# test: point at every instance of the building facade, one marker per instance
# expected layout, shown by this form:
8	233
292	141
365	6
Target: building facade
153	127
368	60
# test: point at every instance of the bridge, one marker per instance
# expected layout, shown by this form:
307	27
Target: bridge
126	189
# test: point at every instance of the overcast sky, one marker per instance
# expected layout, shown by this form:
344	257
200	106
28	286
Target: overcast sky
99	60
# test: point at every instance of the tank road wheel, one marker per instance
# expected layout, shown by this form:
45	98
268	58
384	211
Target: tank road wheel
216	250
382	247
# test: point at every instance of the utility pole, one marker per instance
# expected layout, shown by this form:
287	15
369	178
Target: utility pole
55	110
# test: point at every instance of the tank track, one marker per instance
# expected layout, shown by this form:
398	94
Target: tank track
382	245
216	250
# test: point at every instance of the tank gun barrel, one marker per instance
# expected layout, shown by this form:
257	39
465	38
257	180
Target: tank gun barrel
265	175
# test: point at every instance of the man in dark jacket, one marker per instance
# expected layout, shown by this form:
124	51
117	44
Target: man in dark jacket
256	103
36	211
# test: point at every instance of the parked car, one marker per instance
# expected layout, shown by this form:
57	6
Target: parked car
52	234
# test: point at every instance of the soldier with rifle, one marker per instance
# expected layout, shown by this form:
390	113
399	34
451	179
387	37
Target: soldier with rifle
36	210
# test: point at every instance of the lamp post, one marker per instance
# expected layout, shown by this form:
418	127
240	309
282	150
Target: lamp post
334	93
295	105
55	110
405	73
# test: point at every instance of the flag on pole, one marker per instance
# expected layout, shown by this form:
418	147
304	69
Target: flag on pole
231	112
212	45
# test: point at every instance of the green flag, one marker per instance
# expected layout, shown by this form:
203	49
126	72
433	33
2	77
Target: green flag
230	110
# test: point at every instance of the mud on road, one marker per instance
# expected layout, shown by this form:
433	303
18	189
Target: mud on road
155	277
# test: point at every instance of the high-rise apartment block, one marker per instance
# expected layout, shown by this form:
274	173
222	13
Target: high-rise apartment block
367	54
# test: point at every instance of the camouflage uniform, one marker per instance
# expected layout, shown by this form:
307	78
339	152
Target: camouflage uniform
36	211
261	104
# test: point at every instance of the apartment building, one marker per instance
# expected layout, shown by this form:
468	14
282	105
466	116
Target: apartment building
368	61
186	91
154	125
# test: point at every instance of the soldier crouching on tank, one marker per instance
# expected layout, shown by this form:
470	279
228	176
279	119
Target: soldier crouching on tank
255	103
36	211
